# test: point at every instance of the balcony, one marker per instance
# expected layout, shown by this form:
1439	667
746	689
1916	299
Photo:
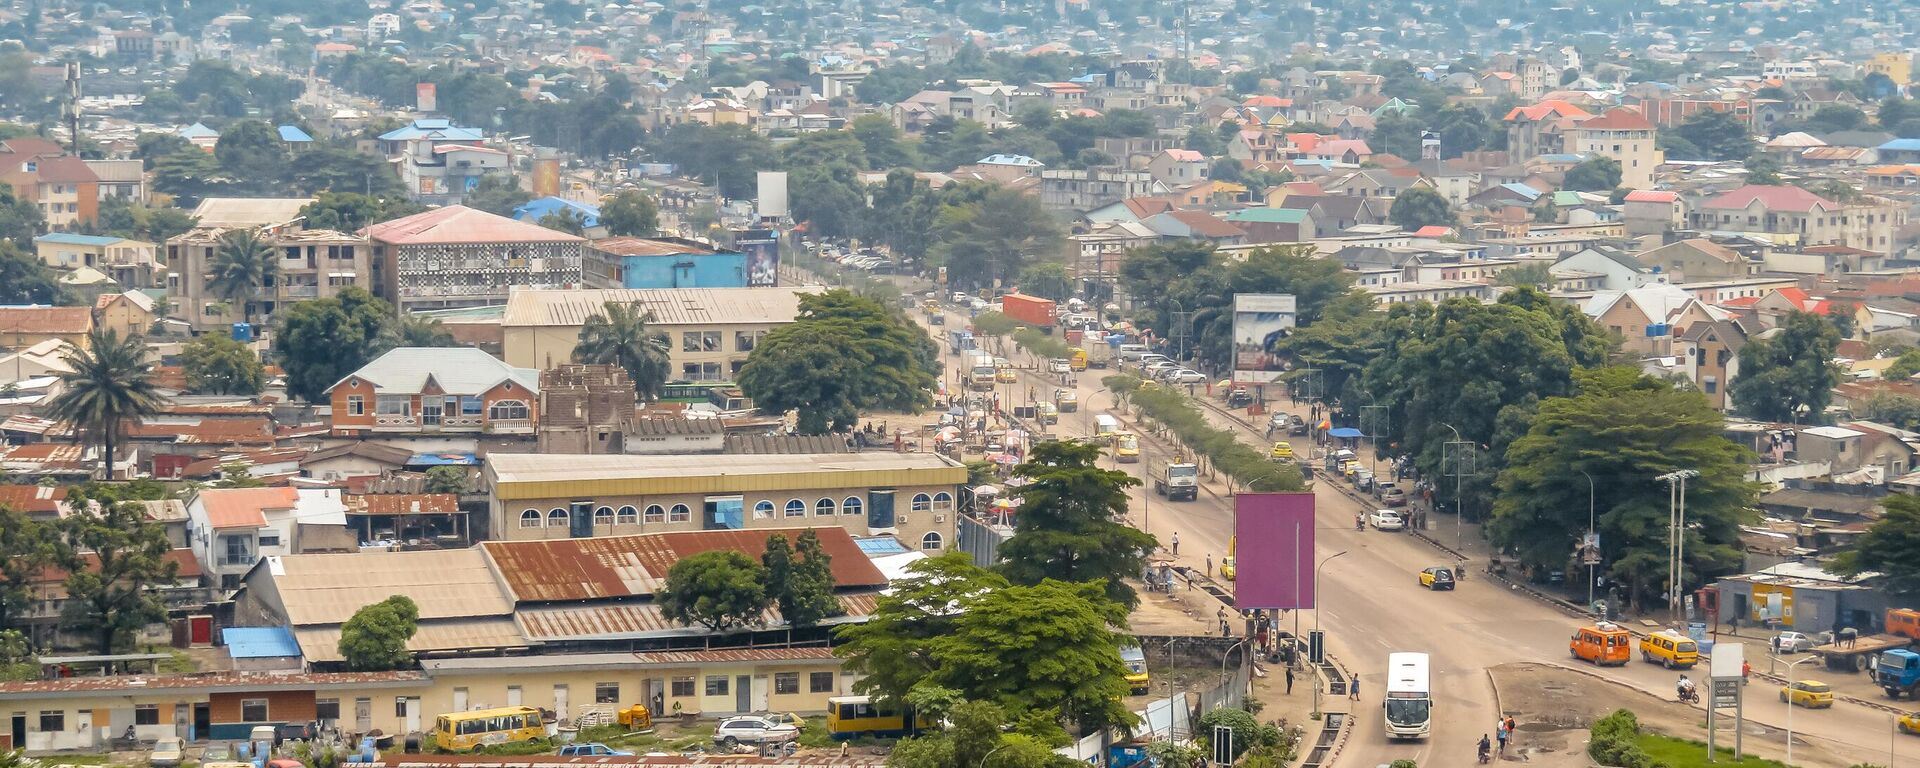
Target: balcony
237	560
301	291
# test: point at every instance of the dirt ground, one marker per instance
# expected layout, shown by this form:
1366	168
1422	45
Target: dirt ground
1554	706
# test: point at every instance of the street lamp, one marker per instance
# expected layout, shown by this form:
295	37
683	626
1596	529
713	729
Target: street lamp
1459	506
1677	538
1316	622
1595	558
1790	678
983	758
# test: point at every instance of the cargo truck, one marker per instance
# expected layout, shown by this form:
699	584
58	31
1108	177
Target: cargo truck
1177	480
1032	310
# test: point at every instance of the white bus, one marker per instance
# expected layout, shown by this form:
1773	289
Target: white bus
1409	703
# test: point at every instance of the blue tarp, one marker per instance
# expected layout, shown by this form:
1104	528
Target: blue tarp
1346	432
450	459
260	642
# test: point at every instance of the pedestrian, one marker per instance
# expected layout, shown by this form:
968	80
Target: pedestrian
1775	642
1509	724
1225	631
1289	681
1176	543
1353	688
1746	673
1209	565
1500	732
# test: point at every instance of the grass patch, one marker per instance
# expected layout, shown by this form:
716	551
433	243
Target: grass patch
1687	753
178	663
54	761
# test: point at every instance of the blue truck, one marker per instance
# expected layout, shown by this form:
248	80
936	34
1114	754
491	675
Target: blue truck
1897	672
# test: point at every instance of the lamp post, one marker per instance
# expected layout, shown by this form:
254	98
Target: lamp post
1317	686
983	758
1459	506
1595	559
1676	536
1790	677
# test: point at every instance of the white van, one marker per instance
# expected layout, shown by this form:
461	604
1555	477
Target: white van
1105	425
1132	351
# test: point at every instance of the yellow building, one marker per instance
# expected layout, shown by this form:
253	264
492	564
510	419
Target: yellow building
1897	66
710	331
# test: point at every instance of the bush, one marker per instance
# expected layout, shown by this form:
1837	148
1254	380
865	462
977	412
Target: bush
1246	466
1614	742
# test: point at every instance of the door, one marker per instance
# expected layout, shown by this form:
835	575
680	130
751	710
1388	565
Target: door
181	727
879	509
759	693
513	695
743	693
430	413
560	702
413	714
653	695
203	721
362	715
84	726
17	730
459	699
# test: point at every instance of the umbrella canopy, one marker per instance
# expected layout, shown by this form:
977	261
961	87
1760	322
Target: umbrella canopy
1346	432
1003	458
985	490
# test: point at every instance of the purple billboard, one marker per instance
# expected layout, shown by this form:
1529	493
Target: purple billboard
1273	550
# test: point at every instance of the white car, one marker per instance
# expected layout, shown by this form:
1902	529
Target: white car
1186	376
168	751
1794	642
1153	370
1059	366
1387	520
751	730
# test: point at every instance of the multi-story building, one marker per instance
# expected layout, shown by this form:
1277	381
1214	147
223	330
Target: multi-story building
1624	135
440	162
1540	129
131	263
66	191
709	332
230	529
1076	191
122	178
461	257
1792	215
662	262
436	391
312	264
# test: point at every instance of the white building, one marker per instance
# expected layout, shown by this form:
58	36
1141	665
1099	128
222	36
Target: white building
229	529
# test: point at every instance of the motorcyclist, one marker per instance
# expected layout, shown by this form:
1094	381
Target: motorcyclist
1684	688
1485	748
1359	522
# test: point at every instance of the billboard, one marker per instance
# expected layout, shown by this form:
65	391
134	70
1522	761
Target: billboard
426	97
1273	544
762	247
546	176
1260	320
771	199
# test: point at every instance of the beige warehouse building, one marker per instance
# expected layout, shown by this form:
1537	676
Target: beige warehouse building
710	331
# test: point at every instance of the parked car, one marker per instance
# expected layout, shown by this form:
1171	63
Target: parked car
1387	520
785	718
592	749
168	751
1394	497
751	730
1279	421
1794	642
1186	376
1059	366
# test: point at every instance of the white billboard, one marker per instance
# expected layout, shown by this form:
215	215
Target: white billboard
771	200
1260	321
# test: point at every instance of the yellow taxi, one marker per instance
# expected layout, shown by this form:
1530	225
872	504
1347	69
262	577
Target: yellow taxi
1437	578
1811	694
1229	566
1910	723
1003	372
1281	450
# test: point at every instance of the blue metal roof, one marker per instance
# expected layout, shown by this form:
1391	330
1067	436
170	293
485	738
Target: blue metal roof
293	134
198	131
68	238
534	210
1522	190
432	128
260	642
880	545
1902	145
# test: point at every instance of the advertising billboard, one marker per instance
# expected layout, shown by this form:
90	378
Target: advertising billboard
762	247
426	97
771	200
1273	542
1260	321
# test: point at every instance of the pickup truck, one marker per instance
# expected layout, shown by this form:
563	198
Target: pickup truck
592	749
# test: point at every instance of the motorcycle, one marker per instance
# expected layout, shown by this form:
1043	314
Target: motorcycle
1689	695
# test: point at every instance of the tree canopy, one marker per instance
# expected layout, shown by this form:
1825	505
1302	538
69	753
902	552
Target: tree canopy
1072	525
1890	548
719	589
842	354
320	341
800	579
618	335
1789	375
1421	207
114	558
375	638
217	364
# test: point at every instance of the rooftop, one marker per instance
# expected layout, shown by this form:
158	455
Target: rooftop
209	681
241	507
228	212
512	468
329	588
654	246
459	225
61	320
668	306
455	370
565	570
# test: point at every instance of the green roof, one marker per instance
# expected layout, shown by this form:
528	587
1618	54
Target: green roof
1269	215
1567	198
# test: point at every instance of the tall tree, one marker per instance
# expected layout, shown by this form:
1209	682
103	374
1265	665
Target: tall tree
1715	135
217	364
498	194
374	638
889	651
720	590
842	354
27	547
618	335
1595	174
422	331
243	264
251	151
113	558
994	238
1072	525
320	341
800	580
1421	207
25	279
1051	647
1048	279
111	383
1891	548
1622	429
1790	374
631	213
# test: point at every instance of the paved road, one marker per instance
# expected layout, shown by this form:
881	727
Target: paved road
1372	605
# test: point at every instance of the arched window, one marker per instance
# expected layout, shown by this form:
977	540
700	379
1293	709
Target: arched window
530	518
679	514
628	516
823	508
763	510
942	501
796	508
507	409
603	516
656	513
851	506
930	541
922	502
557	517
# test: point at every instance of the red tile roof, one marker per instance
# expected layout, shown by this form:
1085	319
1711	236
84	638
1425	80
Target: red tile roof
565	570
1770	197
49	320
1652	196
1205	224
1618	119
33	499
1546	109
458	224
241	507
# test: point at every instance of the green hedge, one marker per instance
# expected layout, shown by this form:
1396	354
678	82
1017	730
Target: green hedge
1245	465
1037	343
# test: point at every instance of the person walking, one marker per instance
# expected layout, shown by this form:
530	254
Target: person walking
1176	543
1500	732
1289	681
1209	565
1353	688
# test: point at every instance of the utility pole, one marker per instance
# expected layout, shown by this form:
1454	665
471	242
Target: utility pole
73	107
1461	466
1676	537
1372	428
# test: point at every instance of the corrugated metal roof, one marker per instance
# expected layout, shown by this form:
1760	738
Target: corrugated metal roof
455	370
562	570
209	680
668	306
630	621
323	643
624	661
328	588
459	225
547	476
552	761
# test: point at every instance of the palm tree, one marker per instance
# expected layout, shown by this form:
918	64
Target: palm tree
243	263
111	382
422	331
618	336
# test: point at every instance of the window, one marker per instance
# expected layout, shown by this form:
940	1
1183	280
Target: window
603	516
628	516
507	409
851	506
253	710
762	509
679	514
942	501
400	705
470	405
557	517
796	508
786	682
394	405
690	341
710	341
53	720
823	508
356	405
716	685
326	709
146	714
682	687
930	541
743	341
656	514
819	682
530	518
921	502
606	693
269	539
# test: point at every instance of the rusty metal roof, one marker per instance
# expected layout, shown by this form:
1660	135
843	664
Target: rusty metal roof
563	570
481	634
207	680
628	621
555	761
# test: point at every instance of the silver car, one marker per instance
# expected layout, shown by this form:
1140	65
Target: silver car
751	730
1794	642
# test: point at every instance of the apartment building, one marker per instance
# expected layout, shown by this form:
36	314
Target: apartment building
1793	216
311	264
1624	135
461	257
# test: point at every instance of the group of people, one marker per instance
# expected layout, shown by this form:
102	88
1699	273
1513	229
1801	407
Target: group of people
1502	730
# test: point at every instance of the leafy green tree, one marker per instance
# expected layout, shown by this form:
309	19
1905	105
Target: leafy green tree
889	653
448	480
1837	117
1790	374
1396	134
20	219
497	193
830	198
1891	548
1537	274
1205	141
111	383
189	175
25	279
114	558
216	364
726	156
844	353
243	263
721	590
27	547
375	638
1072	525
884	146
1048	280
250	150
1903	367
1715	135
1764	171
1623	428
340	168
802	588
1595	174
618	335
1462	128
1248	732
422	331
565	220
320	341
1421	207
1895	111
1049	647
947	143
993	238
631	213
1172	754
